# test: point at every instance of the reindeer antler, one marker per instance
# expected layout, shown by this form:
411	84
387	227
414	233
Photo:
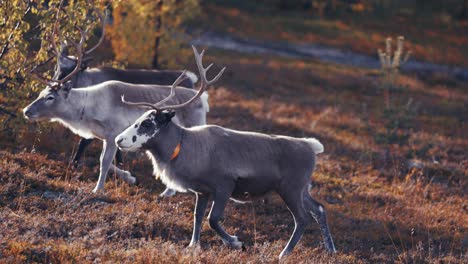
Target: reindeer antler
55	30
55	84
180	79
103	21
204	83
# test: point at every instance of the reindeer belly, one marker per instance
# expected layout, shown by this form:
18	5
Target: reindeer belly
253	176
253	186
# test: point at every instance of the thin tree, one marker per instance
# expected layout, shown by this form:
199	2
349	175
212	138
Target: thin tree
159	6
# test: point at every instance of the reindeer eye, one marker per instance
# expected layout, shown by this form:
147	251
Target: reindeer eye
146	124
49	98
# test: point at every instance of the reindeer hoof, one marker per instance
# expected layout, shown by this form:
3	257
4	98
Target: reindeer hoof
98	189
284	253
330	248
167	193
235	243
127	177
194	245
131	180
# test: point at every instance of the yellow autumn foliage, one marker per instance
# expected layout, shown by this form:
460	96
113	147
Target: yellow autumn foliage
134	30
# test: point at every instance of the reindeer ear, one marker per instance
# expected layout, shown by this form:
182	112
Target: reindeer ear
66	63
171	114
85	62
65	88
166	116
64	49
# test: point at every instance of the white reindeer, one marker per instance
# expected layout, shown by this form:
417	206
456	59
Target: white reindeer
97	111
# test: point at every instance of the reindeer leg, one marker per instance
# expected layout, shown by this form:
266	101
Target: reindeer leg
118	157
124	175
219	203
200	208
317	211
107	155
293	199
81	147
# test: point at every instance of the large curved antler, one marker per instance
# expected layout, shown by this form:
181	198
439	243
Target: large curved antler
204	83
55	84
55	30
176	83
103	22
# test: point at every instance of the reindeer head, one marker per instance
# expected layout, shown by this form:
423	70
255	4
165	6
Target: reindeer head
66	64
49	103
154	122
145	128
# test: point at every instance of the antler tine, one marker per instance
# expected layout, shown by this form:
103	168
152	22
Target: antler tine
52	38
180	79
54	30
79	47
208	67
203	70
183	76
79	50
41	79
104	20
203	84
54	45
44	80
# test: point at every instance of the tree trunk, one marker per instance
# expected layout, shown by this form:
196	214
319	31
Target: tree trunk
464	11
155	62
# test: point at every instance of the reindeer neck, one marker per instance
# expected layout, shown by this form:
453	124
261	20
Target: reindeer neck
73	114
70	107
80	104
88	77
165	146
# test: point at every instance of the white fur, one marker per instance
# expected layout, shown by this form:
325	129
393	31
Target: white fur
317	147
126	143
76	128
165	175
192	76
204	100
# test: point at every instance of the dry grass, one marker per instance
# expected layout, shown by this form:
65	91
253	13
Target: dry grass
426	35
380	209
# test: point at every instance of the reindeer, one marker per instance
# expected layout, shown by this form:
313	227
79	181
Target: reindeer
87	76
97	111
220	163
